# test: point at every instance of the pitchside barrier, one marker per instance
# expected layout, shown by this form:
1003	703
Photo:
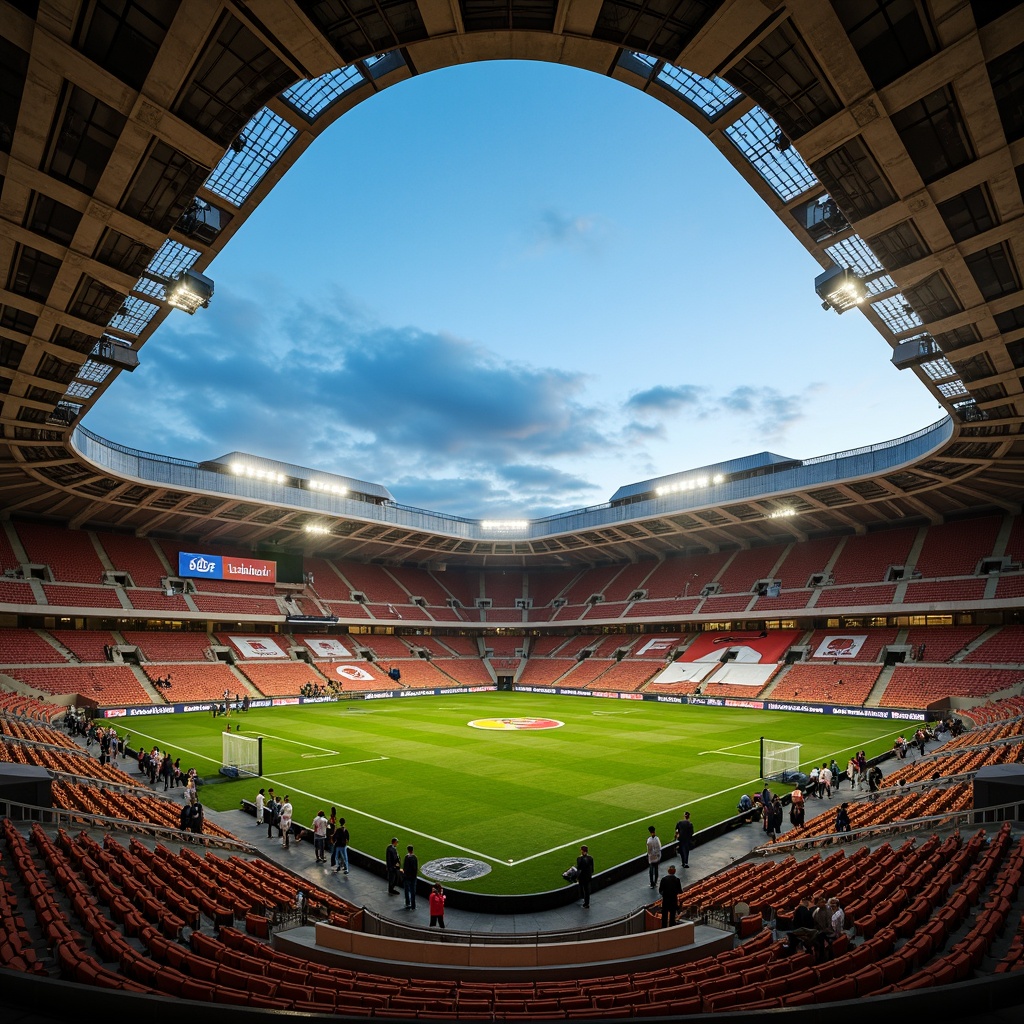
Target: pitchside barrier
806	707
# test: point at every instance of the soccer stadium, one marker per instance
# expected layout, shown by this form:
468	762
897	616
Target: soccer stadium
180	641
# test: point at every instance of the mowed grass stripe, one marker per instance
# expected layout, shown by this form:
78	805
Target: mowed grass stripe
528	797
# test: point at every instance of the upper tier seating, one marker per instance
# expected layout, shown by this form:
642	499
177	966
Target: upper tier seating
629	579
8	559
375	583
546	585
69	553
81	597
880	595
503	589
747	567
805	560
245	607
677	577
866	558
955	549
136	556
157	601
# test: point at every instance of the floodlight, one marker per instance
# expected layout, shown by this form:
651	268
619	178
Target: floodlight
840	289
189	290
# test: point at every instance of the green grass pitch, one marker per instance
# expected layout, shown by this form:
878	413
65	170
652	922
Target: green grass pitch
521	801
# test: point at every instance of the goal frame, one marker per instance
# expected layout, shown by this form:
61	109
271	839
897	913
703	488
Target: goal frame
778	758
241	756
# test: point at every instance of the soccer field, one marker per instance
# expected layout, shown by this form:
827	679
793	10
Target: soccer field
521	801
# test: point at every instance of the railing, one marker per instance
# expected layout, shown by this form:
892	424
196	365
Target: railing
632	923
58	816
969	818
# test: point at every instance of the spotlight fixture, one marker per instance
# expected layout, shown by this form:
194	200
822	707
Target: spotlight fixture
693	483
328	488
315	528
504	524
189	291
255	473
839	288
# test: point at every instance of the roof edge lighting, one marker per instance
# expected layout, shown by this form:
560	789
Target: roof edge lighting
839	288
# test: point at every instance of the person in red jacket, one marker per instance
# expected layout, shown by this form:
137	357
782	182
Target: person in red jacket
437	898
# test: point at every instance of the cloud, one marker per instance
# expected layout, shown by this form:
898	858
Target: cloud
662	399
771	411
554	229
325	388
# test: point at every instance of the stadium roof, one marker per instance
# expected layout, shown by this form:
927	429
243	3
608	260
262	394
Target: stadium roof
136	137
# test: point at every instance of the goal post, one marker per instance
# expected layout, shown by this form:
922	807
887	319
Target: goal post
779	758
241	756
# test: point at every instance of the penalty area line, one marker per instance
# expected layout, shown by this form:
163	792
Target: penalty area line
342	764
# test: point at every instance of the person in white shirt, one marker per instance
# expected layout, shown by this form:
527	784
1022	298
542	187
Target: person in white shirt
320	837
653	855
260	804
286	820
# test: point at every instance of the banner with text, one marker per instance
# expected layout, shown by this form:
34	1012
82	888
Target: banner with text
226	567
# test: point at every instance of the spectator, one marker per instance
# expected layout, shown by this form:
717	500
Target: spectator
437	899
411	870
671	889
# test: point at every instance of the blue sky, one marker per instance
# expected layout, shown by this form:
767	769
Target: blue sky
505	290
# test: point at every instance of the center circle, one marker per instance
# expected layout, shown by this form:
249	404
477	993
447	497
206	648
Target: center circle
515	724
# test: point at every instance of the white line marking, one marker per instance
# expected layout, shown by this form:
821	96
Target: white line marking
722	750
343	764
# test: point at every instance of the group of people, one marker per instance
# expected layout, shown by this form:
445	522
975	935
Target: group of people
163	682
313	690
817	923
404	872
328	832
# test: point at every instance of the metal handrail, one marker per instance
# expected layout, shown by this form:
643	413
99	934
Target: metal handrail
58	816
968	818
632	923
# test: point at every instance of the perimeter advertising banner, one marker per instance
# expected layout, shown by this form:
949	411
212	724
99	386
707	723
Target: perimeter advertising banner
226	567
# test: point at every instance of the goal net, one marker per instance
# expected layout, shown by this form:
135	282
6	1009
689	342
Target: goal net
780	759
241	755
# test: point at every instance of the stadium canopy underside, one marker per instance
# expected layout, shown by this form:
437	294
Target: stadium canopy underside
136	137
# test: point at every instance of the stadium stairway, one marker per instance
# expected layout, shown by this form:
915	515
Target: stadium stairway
879	688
